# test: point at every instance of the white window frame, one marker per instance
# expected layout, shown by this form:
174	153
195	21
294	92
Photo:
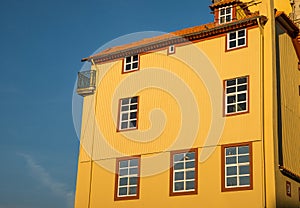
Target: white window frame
128	113
171	49
238	37
237	156
129	172
227	13
131	63
182	158
240	92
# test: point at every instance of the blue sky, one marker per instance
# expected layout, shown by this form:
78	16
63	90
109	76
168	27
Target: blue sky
42	43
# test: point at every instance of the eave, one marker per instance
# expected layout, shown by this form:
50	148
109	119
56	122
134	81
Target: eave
174	39
287	24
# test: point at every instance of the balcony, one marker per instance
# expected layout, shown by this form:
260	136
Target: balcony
86	83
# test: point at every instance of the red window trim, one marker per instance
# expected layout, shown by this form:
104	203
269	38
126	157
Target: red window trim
119	115
137	196
223	147
172	193
123	65
224	97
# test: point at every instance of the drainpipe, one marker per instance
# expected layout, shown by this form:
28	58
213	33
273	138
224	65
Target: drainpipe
262	65
92	150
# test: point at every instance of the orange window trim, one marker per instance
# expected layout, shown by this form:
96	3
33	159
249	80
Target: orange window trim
137	196
223	187
172	193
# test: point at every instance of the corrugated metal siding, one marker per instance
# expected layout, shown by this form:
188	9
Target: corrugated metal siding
290	104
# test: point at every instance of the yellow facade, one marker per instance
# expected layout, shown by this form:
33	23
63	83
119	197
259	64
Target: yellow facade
181	106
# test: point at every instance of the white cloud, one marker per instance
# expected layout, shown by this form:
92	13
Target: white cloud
45	179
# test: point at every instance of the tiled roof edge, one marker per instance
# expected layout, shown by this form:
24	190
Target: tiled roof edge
178	39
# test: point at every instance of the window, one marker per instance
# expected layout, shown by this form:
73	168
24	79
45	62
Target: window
184	172
225	15
171	49
127	178
131	63
237	167
288	189
236	95
236	39
128	113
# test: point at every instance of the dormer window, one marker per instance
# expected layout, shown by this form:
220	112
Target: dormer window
225	14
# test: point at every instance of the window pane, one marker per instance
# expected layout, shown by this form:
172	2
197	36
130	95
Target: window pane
133	100
132	124
231	90
135	58
231	160
190	165
128	59
222	19
179	176
134	162
243	149
135	65
241	33
178	157
231	151
179	186
122	191
124	164
245	180
133	181
242	97
228	10
190	175
124	125
125	101
232	36
242	106
123	181
232	181
124	116
230	82
243	159
133	115
178	166
231	109
123	172
190	185
231	171
190	155
242	80
232	44
231	99
222	11
241	42
242	88
132	190
133	171
133	107
125	108
244	169
128	67
228	18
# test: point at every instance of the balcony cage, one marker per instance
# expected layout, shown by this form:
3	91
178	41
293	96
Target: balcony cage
86	83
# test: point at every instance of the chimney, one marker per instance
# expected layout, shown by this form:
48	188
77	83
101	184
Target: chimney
215	1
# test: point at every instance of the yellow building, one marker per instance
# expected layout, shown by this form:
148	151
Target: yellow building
207	116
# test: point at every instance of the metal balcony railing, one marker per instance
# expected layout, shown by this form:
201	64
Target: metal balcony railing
86	83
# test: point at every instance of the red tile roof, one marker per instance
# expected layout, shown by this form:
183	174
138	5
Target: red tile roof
224	3
176	37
